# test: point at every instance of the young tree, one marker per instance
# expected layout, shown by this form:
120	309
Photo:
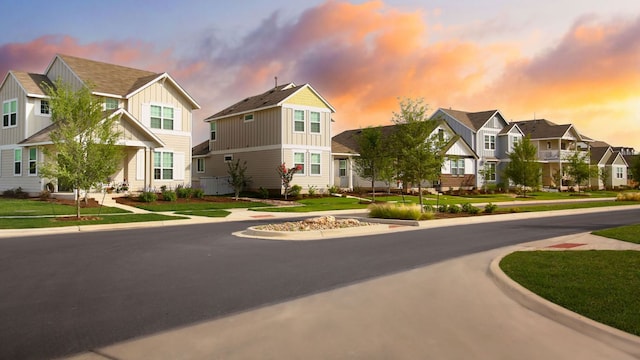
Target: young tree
523	168
237	177
487	172
603	175
634	168
578	167
286	175
371	148
419	153
85	151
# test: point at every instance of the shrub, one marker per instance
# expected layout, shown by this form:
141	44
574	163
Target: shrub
184	192
514	210
333	189
392	211
148	196
429	208
263	193
490	208
473	210
44	195
169	195
15	193
163	188
466	207
198	193
9	193
454	209
628	196
312	190
295	190
443	208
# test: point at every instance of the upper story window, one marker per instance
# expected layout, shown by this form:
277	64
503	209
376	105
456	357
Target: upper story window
214	131
440	134
111	104
314	122
489	142
548	145
298	120
161	117
248	117
44	107
10	113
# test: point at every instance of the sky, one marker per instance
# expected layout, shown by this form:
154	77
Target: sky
564	61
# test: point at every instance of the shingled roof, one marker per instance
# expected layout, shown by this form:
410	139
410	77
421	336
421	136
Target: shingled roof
543	129
473	120
32	83
596	154
201	149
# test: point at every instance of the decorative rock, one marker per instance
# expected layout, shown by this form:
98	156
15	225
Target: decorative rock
318	223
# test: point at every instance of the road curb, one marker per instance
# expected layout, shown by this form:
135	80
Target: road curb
253	232
616	338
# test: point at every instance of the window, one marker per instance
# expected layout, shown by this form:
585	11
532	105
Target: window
490	175
314	122
200	165
619	173
33	161
17	162
298	121
163	165
111	104
298	161
10	113
314	160
248	117
214	133
440	134
44	107
548	145
489	142
457	167
161	117
228	158
342	167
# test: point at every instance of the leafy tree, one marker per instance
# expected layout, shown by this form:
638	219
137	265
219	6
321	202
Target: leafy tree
237	176
487	172
578	167
523	168
634	168
371	147
419	153
286	175
603	175
85	151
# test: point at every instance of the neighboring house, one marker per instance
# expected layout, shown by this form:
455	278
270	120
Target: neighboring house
489	135
555	143
288	124
615	165
155	123
458	170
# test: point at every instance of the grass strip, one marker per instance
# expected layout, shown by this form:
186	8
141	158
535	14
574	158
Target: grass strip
32	207
174	206
46	222
207	213
601	285
630	233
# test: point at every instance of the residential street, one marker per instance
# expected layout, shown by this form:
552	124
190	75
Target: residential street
69	293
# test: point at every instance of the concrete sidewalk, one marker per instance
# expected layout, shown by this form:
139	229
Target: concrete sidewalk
456	309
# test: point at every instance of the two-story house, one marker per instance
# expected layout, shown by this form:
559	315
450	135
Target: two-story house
458	170
555	144
489	135
610	162
288	124
155	122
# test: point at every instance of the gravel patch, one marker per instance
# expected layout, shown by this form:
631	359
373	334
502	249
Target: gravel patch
317	223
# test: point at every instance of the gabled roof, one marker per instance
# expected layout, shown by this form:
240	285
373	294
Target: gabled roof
472	120
615	156
545	129
32	83
597	153
507	129
201	149
271	98
598	143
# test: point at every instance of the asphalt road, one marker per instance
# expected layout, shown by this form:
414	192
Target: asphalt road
63	294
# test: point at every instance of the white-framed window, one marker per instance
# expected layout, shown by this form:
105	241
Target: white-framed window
161	117
214	131
44	107
619	172
200	165
33	161
228	158
440	134
111	104
162	165
10	113
17	161
248	117
298	161
489	142
298	120
314	122
457	167
342	167
490	167
315	163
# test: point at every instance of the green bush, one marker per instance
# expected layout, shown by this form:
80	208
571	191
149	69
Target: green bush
454	209
402	212
169	195
333	189
490	208
295	190
312	190
470	209
263	193
148	196
16	193
198	193
443	208
184	192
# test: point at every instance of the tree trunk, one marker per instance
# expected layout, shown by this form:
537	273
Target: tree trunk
78	203
420	197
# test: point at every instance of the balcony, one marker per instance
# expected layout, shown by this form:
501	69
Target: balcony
557	155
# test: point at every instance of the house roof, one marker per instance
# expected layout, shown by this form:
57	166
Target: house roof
599	144
271	98
597	153
32	83
612	158
472	120
42	137
543	129
630	159
201	149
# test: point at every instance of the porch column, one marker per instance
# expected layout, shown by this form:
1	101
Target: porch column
350	173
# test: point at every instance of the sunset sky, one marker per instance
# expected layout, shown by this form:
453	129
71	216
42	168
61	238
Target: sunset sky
565	61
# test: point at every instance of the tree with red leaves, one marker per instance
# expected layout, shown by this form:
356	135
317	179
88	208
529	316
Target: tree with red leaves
286	175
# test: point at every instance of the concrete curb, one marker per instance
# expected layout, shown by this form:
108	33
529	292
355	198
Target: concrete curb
616	338
253	232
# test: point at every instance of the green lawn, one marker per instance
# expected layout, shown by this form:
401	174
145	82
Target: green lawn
566	206
321	204
36	207
601	285
187	206
46	222
629	233
207	213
